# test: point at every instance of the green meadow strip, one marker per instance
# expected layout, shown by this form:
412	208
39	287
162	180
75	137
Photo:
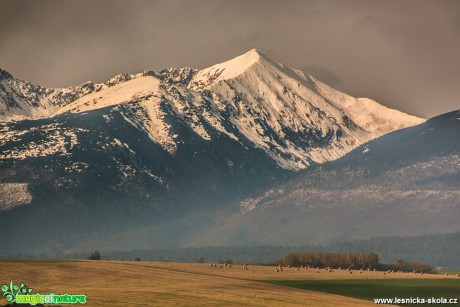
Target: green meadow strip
368	289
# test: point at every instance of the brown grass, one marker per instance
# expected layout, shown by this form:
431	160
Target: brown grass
126	283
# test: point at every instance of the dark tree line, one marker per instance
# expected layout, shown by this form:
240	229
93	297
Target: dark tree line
333	260
439	250
401	265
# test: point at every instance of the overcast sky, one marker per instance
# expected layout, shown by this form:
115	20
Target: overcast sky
404	54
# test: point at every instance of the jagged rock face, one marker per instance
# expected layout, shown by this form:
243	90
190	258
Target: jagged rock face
139	148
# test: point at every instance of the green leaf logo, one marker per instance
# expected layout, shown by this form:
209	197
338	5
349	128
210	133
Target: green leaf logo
13	290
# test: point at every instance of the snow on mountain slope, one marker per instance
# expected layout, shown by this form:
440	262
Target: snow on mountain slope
21	100
366	113
293	118
57	141
13	195
226	70
135	89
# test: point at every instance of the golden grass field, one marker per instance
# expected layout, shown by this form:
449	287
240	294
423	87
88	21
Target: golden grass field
133	283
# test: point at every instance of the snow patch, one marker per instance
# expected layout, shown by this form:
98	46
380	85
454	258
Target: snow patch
76	167
57	141
14	195
250	204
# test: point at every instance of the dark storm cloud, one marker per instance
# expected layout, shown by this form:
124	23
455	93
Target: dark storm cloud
402	53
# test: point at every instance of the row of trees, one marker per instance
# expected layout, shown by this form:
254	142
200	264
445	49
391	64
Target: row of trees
401	265
332	260
439	250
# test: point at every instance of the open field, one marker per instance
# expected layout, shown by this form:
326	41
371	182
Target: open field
131	283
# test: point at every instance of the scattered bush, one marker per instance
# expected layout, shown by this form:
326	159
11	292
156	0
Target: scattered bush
95	256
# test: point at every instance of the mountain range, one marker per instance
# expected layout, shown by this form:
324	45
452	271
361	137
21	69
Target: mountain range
405	183
237	153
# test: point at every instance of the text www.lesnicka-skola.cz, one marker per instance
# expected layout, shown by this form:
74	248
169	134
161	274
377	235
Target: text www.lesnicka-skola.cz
416	300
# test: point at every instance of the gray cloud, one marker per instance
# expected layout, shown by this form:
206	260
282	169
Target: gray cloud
323	74
402	53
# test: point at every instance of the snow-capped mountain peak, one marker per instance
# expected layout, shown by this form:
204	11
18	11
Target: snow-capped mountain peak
226	70
293	118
